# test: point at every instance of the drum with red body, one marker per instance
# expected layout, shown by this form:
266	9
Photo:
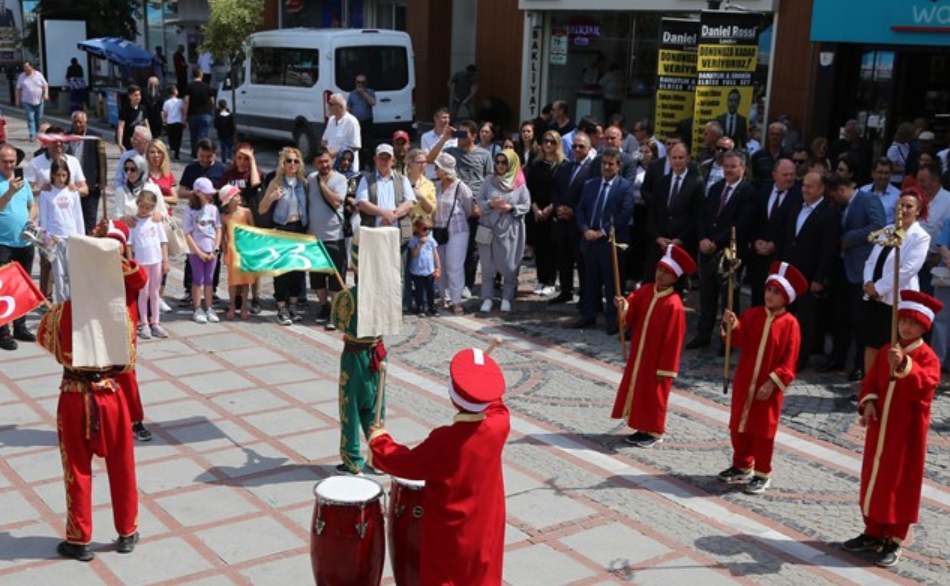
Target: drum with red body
405	529
347	544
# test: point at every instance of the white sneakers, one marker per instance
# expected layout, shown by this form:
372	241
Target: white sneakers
486	306
199	316
505	306
212	316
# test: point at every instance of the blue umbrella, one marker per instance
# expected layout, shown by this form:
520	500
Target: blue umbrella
118	51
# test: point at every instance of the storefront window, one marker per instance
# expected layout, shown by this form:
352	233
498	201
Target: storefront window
605	62
322	13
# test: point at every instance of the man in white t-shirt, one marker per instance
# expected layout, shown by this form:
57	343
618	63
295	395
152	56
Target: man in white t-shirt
429	139
38	172
343	130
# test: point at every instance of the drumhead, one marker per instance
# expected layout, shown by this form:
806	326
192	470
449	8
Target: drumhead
348	489
411	484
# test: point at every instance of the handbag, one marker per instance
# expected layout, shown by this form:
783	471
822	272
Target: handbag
441	235
940	276
176	236
484	235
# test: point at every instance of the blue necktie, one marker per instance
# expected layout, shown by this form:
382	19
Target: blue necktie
599	205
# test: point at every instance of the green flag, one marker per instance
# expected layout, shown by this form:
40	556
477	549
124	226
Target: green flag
270	252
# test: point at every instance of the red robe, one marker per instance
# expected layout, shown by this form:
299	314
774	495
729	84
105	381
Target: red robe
93	420
658	325
895	447
769	346
463	527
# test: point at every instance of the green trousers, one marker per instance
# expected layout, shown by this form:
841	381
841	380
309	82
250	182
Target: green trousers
358	387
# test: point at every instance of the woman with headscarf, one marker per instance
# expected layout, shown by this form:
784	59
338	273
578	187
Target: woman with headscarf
344	165
136	176
504	201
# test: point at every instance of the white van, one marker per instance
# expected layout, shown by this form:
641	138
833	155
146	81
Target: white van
290	74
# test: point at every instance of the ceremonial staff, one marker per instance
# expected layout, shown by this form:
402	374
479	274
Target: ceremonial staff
729	264
614	246
892	238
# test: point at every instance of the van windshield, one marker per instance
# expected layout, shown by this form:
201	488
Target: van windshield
386	68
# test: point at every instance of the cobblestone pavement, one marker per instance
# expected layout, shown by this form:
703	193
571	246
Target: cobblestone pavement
245	422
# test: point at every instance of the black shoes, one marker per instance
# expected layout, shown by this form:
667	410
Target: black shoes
6	340
140	432
186	301
75	551
126	543
733	475
283	316
255	308
324	315
757	485
890	555
642	439
22	334
582	324
698	342
863	542
856	375
562	297
345	470
612	329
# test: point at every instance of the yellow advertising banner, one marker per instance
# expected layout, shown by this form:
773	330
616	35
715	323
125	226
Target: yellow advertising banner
727	59
676	77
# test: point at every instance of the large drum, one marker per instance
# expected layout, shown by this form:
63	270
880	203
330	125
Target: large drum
405	529
347	546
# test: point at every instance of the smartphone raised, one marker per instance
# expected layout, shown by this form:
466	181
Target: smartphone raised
460	134
18	173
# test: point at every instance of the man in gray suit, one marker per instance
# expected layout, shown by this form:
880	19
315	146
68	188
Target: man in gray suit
863	213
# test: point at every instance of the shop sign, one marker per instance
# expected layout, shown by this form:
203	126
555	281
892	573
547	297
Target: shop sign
882	22
727	59
557	49
534	72
676	76
583	31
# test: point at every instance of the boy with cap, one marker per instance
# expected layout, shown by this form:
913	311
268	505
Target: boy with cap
463	529
769	339
657	325
894	405
93	418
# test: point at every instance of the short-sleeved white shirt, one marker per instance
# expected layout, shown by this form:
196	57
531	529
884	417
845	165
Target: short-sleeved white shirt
38	171
342	134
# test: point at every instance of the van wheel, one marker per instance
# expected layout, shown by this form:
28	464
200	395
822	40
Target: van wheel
305	139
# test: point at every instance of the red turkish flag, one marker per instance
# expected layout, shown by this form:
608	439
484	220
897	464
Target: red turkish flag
19	295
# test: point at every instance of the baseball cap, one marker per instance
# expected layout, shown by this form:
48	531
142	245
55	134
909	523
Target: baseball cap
384	149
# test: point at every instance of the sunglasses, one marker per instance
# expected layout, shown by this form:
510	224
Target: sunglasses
291	161
131	170
720	149
549	141
578	147
501	162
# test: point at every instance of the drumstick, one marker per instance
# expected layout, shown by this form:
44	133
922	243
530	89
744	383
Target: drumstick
380	392
496	342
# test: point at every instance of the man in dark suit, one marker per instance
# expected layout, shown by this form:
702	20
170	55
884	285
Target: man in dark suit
567	193
863	213
92	158
606	202
811	243
730	204
771	210
734	124
672	209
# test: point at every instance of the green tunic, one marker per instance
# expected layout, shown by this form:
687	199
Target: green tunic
358	385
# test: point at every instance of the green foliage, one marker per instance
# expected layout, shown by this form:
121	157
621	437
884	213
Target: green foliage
104	18
230	23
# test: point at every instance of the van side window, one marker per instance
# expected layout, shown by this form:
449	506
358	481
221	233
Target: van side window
282	66
386	67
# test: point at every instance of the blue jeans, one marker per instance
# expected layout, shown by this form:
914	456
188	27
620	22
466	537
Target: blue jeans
198	126
34	117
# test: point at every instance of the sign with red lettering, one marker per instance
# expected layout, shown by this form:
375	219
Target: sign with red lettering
19	295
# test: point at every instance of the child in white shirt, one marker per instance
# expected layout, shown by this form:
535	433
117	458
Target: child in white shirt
60	215
173	116
150	247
